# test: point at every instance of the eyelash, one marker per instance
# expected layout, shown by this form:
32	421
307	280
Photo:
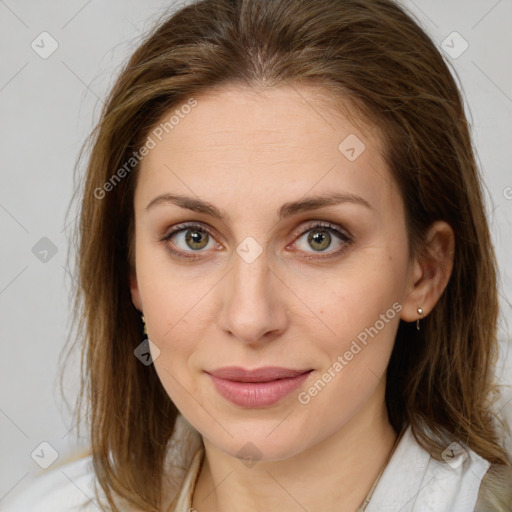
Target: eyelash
325	226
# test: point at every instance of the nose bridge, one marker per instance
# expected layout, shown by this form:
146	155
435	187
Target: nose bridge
251	307
251	274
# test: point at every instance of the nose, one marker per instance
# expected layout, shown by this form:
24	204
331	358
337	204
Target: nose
253	301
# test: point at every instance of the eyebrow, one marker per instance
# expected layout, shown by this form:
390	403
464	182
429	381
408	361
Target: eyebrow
286	210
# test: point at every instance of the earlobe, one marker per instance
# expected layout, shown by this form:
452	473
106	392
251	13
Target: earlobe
430	272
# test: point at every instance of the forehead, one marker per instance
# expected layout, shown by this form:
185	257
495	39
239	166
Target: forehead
287	141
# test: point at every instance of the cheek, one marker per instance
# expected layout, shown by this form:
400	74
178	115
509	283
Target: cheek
355	358
177	337
177	308
356	296
361	311
168	294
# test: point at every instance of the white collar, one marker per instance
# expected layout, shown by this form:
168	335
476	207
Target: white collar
413	481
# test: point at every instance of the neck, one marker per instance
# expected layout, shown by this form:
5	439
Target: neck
334	475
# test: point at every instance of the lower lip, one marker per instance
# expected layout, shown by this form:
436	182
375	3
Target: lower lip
257	394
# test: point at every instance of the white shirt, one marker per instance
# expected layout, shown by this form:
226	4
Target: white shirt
412	481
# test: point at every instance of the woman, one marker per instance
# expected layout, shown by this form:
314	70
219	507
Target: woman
288	287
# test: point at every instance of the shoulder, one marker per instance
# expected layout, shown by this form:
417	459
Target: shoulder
66	488
496	490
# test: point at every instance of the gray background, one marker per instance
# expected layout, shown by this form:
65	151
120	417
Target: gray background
48	105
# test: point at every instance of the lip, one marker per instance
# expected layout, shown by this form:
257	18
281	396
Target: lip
259	387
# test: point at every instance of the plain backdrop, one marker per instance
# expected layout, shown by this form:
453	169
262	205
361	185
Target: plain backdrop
49	103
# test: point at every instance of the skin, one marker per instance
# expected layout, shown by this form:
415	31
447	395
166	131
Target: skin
248	152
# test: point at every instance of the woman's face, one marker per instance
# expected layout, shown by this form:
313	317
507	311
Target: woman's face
263	285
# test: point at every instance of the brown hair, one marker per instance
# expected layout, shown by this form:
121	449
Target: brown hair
439	379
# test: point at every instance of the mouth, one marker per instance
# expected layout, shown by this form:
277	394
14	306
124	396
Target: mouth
259	387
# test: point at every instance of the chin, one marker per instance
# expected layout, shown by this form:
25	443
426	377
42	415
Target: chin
270	440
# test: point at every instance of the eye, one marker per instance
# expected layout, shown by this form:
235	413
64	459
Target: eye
195	238
319	238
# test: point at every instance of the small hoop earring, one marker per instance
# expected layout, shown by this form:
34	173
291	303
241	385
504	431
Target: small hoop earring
144	322
420	312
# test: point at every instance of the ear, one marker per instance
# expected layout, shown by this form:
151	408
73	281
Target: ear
430	272
134	289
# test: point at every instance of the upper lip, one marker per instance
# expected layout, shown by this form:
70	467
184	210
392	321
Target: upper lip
264	374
